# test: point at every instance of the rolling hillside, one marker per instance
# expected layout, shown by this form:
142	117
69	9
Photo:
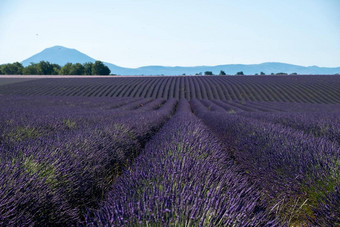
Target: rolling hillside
62	55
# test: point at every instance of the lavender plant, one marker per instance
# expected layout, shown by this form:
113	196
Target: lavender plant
55	167
183	177
295	171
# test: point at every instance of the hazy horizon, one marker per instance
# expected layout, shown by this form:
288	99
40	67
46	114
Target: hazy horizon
177	33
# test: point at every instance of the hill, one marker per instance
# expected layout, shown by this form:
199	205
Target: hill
58	55
62	55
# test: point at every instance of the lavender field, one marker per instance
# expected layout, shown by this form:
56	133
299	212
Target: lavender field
172	151
298	89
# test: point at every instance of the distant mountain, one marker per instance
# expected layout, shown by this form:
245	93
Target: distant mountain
62	55
58	55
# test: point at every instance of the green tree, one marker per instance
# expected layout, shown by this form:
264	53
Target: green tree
208	73
262	74
99	68
45	68
66	69
42	68
239	73
56	69
31	69
12	69
281	74
88	68
222	73
77	69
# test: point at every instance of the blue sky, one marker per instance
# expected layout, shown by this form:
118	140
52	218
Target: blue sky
134	33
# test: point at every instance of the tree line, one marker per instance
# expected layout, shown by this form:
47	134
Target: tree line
47	68
222	73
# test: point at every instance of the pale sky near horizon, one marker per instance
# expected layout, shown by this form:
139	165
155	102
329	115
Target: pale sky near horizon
133	33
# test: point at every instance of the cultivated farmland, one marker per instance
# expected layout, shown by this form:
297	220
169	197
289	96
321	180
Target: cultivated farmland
302	89
170	151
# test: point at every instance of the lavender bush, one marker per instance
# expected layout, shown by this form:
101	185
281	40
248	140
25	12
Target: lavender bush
53	168
183	177
296	171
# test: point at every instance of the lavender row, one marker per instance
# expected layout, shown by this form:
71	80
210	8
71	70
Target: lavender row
315	120
297	172
53	112
294	106
318	124
274	107
45	116
183	177
229	107
299	89
48	180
